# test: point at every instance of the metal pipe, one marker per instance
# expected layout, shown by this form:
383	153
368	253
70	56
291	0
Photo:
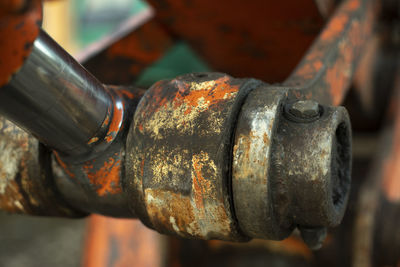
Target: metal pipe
56	99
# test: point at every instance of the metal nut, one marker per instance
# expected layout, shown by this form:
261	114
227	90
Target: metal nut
303	111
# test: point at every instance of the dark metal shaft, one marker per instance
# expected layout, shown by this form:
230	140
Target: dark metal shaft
55	98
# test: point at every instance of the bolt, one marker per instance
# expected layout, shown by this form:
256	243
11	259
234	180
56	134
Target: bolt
303	111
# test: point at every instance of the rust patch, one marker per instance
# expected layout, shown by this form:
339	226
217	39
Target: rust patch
205	93
179	153
186	104
116	121
335	27
106	180
326	71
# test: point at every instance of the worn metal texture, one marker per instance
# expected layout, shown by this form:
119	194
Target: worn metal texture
19	27
297	169
326	71
124	60
94	183
244	40
179	155
26	179
255	131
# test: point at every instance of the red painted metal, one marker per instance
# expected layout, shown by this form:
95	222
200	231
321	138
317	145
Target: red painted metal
19	26
249	39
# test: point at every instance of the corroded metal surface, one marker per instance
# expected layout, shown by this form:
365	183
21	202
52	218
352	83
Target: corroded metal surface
26	179
94	183
254	135
179	152
19	27
300	168
327	69
181	146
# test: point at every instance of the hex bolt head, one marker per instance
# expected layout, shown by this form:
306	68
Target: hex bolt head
303	111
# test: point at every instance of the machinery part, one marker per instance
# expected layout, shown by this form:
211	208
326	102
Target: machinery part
26	178
58	101
326	71
95	184
300	167
303	111
199	143
181	150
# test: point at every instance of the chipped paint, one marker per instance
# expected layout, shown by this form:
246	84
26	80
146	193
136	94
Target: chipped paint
178	149
105	180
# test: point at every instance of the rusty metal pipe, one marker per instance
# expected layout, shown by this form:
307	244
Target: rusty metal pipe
56	99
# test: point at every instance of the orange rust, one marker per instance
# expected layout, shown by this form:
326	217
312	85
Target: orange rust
18	31
133	243
106	180
130	93
206	96
335	27
125	93
199	183
338	76
338	23
142	168
63	165
93	140
308	70
354	5
329	80
116	122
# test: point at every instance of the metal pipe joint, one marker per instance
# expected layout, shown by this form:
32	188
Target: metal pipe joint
210	156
